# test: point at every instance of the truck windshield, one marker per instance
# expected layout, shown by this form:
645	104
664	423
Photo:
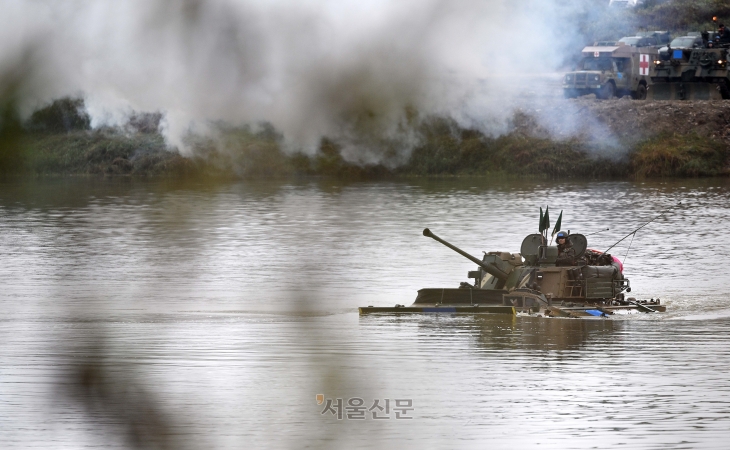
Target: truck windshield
683	42
596	64
630	40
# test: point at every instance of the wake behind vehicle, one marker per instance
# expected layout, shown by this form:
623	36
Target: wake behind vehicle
535	281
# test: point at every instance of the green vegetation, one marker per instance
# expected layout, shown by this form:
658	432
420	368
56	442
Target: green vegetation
64	114
240	153
445	150
11	135
681	15
680	155
101	152
448	150
599	22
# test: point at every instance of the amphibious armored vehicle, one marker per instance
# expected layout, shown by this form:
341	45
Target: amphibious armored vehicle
535	282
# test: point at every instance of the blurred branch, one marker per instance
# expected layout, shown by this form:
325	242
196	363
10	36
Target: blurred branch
108	389
13	78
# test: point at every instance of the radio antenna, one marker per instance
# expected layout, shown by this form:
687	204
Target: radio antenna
642	226
596	232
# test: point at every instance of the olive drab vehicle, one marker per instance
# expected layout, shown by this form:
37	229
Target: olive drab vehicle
692	73
533	282
615	69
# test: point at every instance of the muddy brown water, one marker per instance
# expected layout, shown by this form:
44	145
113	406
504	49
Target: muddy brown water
155	314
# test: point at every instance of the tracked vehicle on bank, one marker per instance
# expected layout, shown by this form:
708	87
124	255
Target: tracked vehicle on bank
533	282
699	73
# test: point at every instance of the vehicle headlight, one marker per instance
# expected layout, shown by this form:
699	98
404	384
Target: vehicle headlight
596	78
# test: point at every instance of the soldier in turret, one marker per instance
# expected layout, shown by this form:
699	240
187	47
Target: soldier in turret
566	252
724	34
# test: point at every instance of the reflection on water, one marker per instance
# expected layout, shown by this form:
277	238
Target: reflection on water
167	315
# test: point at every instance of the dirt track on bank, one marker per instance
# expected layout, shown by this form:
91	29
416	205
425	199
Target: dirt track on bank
628	120
625	117
553	116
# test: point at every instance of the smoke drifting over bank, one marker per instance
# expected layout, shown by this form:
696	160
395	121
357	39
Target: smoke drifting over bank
359	73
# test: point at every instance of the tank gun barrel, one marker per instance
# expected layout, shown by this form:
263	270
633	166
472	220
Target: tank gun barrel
489	268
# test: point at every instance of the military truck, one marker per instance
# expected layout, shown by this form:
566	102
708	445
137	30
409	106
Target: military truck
698	73
662	37
611	70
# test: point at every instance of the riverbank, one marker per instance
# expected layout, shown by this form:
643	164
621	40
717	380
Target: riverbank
584	138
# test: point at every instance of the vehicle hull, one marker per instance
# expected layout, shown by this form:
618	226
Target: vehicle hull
483	301
433	309
450	296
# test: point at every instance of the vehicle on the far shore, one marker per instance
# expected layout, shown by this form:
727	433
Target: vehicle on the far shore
662	37
698	72
612	70
640	41
681	42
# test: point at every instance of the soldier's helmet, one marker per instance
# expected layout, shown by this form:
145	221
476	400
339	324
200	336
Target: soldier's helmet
562	235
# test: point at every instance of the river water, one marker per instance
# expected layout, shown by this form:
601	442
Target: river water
156	314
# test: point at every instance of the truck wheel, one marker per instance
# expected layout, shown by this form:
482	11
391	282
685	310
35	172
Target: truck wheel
640	93
608	91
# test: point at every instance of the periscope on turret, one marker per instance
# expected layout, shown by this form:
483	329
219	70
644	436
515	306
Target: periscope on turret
532	282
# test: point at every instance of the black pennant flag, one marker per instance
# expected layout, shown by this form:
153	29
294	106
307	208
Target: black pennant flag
557	224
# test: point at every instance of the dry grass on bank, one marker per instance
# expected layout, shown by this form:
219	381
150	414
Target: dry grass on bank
102	152
654	139
680	155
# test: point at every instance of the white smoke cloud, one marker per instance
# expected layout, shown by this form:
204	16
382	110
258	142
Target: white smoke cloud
345	69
